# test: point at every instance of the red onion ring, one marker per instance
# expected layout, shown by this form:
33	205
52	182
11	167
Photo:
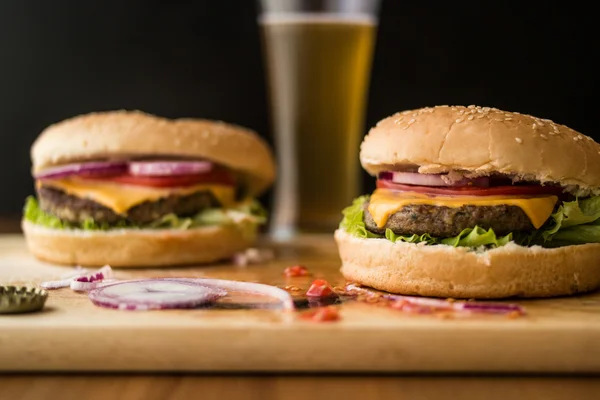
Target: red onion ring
101	168
82	280
287	302
88	282
144	294
426	303
168	168
415	178
154	294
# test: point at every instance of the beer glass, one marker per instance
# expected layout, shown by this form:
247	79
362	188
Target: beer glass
318	56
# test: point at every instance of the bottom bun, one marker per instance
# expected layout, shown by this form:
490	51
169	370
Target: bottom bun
137	248
446	271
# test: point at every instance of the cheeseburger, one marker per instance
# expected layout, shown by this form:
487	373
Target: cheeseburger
132	189
475	202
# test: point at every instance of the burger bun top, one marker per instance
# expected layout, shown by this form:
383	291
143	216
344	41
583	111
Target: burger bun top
480	141
135	134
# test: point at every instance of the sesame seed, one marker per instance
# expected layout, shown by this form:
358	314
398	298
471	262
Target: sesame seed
412	121
458	121
470	117
519	140
461	112
534	126
508	119
480	116
543	136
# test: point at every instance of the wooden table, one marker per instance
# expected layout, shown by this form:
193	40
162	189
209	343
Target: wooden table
305	387
572	318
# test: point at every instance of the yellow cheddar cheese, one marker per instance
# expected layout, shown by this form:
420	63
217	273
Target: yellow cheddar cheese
384	203
121	197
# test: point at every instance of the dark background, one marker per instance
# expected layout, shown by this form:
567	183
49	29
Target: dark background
202	59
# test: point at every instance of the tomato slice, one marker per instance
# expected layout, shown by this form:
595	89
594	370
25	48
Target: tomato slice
216	176
516	190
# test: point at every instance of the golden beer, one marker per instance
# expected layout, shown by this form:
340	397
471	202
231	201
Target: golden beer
318	74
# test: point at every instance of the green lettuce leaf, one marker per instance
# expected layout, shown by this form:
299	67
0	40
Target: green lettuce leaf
475	237
251	212
353	223
353	219
574	222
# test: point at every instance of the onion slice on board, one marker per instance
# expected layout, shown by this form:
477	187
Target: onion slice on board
287	302
168	168
166	293
443	305
62	283
154	294
90	281
80	279
99	168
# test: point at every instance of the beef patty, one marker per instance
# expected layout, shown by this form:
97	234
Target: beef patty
450	221
75	209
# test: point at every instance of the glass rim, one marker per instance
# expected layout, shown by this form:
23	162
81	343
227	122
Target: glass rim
338	9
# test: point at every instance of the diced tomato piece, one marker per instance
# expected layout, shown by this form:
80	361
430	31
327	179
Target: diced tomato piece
296	270
322	314
320	288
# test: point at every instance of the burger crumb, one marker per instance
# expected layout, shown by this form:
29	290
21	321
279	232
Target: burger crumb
322	314
296	271
514	314
252	256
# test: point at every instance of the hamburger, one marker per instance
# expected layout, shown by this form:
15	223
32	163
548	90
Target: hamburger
475	202
127	188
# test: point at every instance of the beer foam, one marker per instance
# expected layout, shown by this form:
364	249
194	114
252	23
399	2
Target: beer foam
316	18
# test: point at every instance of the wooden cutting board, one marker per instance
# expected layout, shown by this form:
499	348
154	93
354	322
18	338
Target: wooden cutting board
71	334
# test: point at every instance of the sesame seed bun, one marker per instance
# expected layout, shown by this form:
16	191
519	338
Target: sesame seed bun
124	134
457	272
138	248
481	141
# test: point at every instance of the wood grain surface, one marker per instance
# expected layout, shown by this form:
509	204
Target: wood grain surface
185	387
71	334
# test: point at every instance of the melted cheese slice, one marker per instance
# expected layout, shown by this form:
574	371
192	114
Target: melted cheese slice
120	198
385	203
